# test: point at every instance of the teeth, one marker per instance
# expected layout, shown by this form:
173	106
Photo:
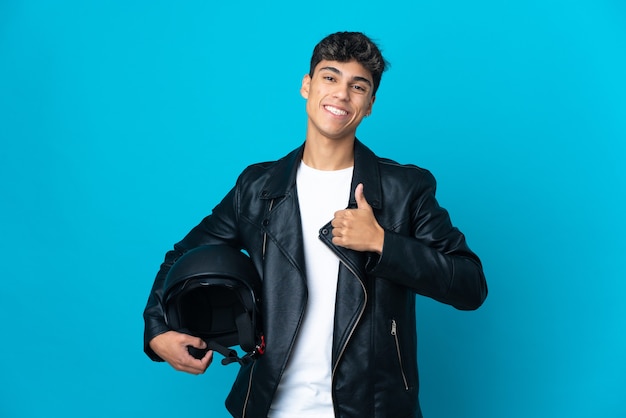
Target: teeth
336	111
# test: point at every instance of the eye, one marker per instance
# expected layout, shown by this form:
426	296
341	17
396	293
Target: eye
359	88
328	78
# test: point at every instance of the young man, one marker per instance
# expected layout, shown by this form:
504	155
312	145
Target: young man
343	241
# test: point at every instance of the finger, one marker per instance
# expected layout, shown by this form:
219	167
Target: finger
361	202
199	343
341	213
199	366
195	366
339	222
206	360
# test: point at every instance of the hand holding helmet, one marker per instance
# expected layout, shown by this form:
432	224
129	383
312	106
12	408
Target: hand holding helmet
211	298
173	347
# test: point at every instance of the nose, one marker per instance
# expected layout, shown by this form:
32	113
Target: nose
341	91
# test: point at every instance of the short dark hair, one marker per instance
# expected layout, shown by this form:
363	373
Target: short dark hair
349	46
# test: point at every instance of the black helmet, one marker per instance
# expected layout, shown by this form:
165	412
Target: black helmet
212	292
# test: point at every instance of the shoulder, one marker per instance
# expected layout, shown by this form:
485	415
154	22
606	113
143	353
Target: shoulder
390	170
267	168
271	176
253	178
257	169
408	174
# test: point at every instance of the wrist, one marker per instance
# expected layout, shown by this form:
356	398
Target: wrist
380	240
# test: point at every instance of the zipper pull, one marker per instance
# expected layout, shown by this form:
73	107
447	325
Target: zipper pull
393	327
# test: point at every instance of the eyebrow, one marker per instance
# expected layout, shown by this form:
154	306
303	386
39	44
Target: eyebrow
355	78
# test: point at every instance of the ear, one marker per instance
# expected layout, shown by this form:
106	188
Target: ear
306	84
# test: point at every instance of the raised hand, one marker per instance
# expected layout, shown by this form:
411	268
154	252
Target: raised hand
358	229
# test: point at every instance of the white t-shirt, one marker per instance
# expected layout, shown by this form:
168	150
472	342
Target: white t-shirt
305	388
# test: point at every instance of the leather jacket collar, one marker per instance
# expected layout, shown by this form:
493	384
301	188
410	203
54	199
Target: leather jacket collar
365	171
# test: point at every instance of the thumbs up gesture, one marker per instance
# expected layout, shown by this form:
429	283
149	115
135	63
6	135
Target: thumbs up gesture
358	229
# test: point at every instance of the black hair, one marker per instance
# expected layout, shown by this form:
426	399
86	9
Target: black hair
349	46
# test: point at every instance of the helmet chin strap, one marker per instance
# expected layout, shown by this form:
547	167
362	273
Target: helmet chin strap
246	341
230	355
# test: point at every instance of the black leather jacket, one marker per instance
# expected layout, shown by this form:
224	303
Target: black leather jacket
374	352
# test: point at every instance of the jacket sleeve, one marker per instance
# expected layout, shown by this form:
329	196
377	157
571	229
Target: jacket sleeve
220	227
434	259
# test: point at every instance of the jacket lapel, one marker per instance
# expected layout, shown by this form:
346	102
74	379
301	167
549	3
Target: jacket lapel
282	223
352	286
287	296
285	292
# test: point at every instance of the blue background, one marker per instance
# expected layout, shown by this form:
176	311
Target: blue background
122	123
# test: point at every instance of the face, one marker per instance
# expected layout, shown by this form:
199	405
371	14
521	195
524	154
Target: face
339	96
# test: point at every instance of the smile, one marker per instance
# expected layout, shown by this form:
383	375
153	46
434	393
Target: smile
336	111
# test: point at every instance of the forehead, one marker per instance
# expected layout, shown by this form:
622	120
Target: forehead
350	69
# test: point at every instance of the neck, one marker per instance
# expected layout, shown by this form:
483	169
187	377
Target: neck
328	154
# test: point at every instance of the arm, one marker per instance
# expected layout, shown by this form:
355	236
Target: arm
432	258
160	343
454	277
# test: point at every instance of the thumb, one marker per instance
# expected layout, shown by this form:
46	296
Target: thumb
200	343
361	202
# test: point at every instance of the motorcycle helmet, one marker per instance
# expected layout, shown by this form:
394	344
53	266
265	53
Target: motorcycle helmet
212	292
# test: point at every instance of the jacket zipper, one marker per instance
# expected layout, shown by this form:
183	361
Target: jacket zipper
245	403
265	233
345	345
394	332
343	349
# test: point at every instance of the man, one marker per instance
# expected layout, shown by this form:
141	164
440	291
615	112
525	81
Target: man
339	285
